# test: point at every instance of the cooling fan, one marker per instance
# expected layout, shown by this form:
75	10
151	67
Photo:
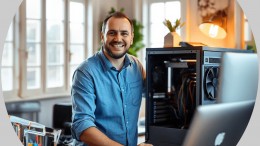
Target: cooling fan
211	82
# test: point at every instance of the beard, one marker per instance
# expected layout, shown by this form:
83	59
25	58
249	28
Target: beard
113	55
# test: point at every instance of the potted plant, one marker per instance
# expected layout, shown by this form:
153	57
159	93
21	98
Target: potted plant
172	39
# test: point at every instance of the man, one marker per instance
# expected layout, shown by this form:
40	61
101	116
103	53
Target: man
107	88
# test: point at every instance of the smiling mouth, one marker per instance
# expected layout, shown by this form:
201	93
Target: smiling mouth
118	45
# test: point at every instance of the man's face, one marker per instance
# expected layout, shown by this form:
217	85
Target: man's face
117	37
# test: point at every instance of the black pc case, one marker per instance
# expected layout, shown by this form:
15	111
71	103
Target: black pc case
178	80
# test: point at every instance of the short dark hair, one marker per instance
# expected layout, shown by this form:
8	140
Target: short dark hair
116	15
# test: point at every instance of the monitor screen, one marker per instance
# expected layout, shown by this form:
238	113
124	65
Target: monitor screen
62	113
217	124
238	79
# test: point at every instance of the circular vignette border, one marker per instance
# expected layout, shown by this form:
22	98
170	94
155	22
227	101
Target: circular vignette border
8	9
251	10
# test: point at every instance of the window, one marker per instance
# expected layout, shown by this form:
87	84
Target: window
10	59
55	43
52	43
7	69
33	44
77	37
248	36
247	31
158	11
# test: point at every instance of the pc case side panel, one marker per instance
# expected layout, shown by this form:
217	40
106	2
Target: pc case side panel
147	96
162	136
155	87
161	112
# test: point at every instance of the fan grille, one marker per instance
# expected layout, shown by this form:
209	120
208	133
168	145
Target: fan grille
211	82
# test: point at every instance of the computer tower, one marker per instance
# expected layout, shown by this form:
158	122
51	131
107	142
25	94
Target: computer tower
178	80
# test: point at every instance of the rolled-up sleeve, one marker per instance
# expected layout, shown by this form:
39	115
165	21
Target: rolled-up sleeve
83	102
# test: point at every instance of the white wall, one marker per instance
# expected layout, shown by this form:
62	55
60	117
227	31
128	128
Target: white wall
128	7
45	115
100	11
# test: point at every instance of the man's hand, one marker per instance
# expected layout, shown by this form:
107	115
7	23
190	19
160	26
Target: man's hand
145	144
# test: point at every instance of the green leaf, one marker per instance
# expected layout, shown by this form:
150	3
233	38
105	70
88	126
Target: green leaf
173	28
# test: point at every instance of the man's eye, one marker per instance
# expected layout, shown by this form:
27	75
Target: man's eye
124	33
111	33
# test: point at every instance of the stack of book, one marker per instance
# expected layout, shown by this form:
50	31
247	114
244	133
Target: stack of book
34	134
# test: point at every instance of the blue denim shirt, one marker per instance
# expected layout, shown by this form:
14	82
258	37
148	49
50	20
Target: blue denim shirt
107	99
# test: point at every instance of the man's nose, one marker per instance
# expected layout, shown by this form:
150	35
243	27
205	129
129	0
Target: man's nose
118	37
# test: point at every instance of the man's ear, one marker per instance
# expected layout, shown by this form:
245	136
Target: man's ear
102	37
132	40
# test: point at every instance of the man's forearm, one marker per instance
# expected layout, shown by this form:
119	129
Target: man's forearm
94	137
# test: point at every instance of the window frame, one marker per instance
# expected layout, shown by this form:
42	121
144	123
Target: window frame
60	89
86	52
20	55
15	43
146	19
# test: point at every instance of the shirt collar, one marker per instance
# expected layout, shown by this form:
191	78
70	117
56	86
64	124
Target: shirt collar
106	64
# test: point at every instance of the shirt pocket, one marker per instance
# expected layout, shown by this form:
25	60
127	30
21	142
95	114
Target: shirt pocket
136	92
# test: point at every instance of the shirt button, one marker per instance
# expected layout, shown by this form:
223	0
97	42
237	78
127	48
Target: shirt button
127	122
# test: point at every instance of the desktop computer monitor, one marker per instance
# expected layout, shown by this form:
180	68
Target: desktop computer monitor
238	79
220	124
62	113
